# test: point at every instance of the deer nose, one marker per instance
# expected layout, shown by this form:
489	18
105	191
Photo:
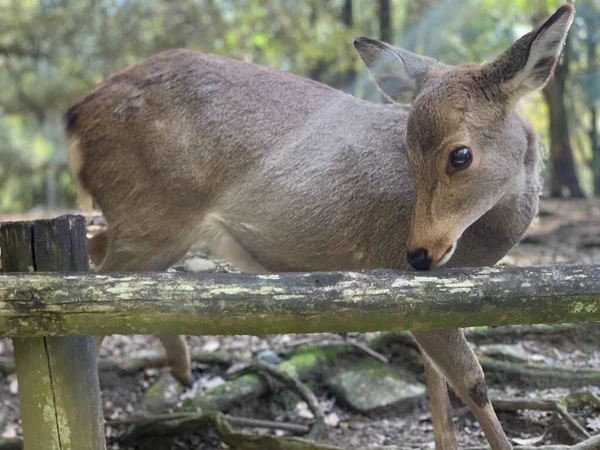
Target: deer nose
419	259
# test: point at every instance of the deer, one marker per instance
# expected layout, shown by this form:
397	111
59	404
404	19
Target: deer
278	173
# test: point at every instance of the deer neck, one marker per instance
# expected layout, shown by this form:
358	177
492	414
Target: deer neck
490	238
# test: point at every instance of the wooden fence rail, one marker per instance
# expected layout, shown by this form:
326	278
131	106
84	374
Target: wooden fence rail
79	304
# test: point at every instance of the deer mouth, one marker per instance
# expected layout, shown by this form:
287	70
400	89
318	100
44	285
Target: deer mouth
421	259
446	257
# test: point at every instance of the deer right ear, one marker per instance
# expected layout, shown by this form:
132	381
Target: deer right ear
529	63
400	74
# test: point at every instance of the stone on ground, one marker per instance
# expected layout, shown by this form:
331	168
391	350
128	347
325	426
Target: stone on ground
199	265
373	385
505	352
162	395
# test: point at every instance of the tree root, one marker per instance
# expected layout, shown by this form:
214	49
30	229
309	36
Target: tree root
177	423
592	443
537	375
240	441
248	422
560	406
475	334
271	371
157	360
573	400
367	350
499	373
137	363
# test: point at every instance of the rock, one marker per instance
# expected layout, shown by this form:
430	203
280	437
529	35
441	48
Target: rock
162	395
211	346
269	356
109	379
382	341
13	386
10	431
214	382
307	363
199	265
505	352
399	347
373	385
228	394
304	411
312	361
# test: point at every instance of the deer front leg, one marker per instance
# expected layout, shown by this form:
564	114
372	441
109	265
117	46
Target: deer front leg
452	356
178	355
439	404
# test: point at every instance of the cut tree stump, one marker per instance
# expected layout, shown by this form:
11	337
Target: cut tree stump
59	392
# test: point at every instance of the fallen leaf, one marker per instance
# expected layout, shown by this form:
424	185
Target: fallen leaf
594	423
303	410
332	420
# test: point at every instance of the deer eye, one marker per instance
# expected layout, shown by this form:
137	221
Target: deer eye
461	158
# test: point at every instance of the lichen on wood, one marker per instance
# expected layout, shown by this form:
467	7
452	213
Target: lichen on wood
175	303
58	377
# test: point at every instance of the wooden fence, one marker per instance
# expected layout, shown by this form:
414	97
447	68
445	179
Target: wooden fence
52	309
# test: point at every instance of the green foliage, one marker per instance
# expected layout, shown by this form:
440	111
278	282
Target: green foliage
52	52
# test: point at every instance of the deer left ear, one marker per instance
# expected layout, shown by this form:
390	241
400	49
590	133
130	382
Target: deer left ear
529	63
400	74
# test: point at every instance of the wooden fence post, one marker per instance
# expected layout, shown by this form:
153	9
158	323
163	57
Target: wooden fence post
59	391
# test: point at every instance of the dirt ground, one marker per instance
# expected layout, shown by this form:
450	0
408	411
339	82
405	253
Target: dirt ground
564	233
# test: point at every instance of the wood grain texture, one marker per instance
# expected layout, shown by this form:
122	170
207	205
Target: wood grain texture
176	303
59	391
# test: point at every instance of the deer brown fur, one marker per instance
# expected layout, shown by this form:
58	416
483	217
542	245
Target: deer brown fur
279	173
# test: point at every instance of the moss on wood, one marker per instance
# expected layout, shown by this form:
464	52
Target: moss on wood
174	303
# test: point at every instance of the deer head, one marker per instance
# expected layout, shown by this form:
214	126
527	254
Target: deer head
465	143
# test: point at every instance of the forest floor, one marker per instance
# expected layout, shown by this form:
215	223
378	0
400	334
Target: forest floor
564	233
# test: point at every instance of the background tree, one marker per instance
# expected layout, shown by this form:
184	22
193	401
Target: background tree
53	52
589	12
563	175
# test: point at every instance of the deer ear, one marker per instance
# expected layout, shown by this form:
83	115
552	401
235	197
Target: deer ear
529	63
400	74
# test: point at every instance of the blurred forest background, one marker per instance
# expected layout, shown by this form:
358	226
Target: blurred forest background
53	51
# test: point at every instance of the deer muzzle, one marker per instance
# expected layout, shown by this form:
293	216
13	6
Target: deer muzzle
424	258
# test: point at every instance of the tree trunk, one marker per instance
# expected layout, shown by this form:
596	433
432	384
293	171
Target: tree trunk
345	81
592	105
385	30
563	173
347	13
318	71
385	21
595	148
